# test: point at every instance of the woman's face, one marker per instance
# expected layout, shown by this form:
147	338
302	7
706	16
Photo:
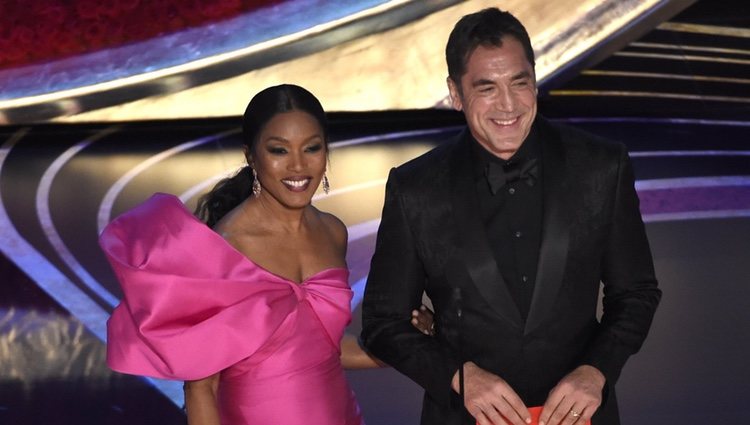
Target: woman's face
290	158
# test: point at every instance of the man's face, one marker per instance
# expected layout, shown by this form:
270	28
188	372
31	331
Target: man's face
498	96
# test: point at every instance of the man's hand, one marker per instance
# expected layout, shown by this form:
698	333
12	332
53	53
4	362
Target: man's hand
575	398
490	399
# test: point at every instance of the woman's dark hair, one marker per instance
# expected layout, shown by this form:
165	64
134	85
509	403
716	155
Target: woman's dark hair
484	28
230	192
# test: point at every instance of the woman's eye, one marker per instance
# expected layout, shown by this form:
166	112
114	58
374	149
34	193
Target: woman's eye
315	148
277	151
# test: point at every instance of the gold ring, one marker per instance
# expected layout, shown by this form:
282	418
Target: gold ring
574	414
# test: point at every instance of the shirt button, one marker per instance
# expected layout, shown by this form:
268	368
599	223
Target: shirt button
525	278
511	190
518	234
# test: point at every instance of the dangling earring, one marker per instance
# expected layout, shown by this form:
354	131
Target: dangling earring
256	183
326	184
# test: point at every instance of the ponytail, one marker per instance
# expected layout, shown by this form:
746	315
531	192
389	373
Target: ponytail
225	196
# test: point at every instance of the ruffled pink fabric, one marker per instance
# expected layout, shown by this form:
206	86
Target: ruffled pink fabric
194	306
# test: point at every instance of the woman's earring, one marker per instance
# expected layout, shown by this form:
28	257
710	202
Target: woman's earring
326	184
256	183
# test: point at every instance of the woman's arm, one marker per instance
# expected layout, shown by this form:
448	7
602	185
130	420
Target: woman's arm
200	401
354	357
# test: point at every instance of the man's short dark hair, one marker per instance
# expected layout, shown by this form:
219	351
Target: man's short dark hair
484	28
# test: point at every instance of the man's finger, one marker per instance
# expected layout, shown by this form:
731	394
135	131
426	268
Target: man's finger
574	415
561	412
554	399
514	411
481	418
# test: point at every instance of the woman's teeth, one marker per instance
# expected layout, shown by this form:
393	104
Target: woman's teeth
296	183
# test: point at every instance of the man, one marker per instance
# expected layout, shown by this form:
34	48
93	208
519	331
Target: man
510	230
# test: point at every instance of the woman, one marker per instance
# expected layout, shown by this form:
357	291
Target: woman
252	314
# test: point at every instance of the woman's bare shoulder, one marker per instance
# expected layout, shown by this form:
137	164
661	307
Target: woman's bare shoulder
335	227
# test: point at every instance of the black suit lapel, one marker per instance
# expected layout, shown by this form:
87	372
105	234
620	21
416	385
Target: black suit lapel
555	231
474	252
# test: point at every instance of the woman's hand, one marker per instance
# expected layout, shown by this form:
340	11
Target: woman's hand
424	320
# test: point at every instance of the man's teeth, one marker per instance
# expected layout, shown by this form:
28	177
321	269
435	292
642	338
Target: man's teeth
505	122
296	183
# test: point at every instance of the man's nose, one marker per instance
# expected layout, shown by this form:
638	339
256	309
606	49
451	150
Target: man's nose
505	101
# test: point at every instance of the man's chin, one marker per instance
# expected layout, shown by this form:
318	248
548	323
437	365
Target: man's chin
506	148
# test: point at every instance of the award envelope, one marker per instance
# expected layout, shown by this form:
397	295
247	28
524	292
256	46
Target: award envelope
535	412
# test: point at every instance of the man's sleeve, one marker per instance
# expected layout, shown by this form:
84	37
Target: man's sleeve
394	288
630	287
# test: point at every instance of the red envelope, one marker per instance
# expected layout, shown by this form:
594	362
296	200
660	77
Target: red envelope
536	411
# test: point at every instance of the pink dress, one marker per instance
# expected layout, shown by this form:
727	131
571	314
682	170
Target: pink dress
194	306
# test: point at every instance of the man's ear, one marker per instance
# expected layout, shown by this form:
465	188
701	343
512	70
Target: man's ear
455	94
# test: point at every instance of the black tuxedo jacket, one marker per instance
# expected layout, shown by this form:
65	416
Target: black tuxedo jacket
431	239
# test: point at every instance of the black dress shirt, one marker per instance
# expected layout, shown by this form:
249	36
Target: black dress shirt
513	219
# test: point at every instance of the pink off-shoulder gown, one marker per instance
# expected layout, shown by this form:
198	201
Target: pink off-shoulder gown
194	306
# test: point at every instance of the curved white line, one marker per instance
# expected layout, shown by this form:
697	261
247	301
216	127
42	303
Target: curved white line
684	182
688	121
648	94
52	280
694	215
392	136
202	186
55	283
105	209
683	57
45	216
44	273
714	153
351	188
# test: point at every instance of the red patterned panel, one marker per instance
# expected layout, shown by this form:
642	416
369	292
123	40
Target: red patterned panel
43	30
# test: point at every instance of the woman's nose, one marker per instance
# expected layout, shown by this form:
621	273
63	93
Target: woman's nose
296	162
